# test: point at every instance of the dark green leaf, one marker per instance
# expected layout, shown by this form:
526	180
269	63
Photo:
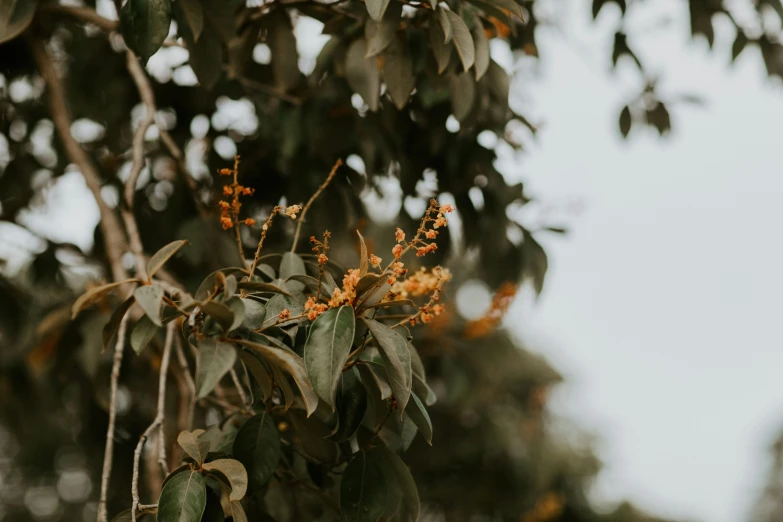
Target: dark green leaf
418	414
142	334
214	360
362	73
463	41
15	16
277	304
221	436
380	34
509	5
291	264
144	25
237	308
363	490
254	313
194	445
259	372
372	371
114	321
160	257
440	48
311	434
194	14
398	75
234	472
257	447
416	365
445	24
93	295
396	358
150	298
625	121
376	8
740	42
259	286
206	58
351	405
396	472
326	350
213	512
481	63
282	43
463	94
498	82
220	313
183	498
422	388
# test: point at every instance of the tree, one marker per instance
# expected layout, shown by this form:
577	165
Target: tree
401	90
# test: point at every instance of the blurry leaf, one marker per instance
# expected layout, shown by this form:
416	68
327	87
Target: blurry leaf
625	121
362	74
213	512
396	358
125	516
463	41
267	270
364	261
220	313
160	257
258	371
396	472
380	34
259	286
229	287
621	48
237	308
285	387
498	82
237	511
418	414
220	436
376	8
292	364
214	360
114	321
398	75
150	298
351	405
93	295
326	350
142	334
740	42
482	49
221	17
463	94
257	447
144	25
445	24
194	14
206	58
598	4
362	490
254	313
285	60
440	49
234	472
536	262
311	435
511	6
240	52
291	264
15	16
659	118
421	388
194	445
183	498
417	367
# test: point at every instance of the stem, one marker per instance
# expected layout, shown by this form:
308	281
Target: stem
257	255
238	385
158	423
85	14
326	182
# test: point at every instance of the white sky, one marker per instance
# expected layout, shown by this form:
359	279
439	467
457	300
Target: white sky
662	306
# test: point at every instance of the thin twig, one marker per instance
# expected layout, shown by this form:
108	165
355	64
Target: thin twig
182	168
238	385
326	182
269	91
114	236
108	453
183	364
85	14
158	423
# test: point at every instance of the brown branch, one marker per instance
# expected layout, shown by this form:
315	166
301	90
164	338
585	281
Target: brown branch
85	14
310	202
158	423
108	453
238	386
110	225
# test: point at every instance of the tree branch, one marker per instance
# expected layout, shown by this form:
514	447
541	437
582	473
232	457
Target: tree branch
310	202
85	14
108	453
110	225
159	421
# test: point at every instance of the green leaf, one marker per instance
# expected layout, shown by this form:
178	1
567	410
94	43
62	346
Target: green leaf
213	512
194	14
351	406
254	313
258	371
292	364
93	295
398	75
364	260
396	472
509	5
260	286
221	436
257	447
267	270
277	304
194	445
213	361
481	42
144	25
445	24
440	48
237	308
362	74
380	34
237	511
416	365
418	414
150	298
363	490
463	41
376	8
220	313
142	334
311	437
282	43
183	498
114	321
326	350
160	257
235	474
15	16
396	358
372	371
291	264
206	58
625	121
422	389
463	94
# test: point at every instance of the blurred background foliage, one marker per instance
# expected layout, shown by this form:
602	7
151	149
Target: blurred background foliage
245	89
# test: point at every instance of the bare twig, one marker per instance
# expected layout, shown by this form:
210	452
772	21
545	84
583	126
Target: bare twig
183	364
110	225
310	202
238	385
182	168
108	453
158	423
269	91
85	14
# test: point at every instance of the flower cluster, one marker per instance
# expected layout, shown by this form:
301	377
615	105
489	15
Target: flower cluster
229	209
423	282
500	303
313	308
435	214
320	248
347	293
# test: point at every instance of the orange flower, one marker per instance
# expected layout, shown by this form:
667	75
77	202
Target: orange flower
431	234
399	235
225	172
250	222
397	251
293	210
445	209
322	259
375	260
285	314
227	190
440	222
226	222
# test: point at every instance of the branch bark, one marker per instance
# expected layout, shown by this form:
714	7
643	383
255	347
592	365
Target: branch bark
317	193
